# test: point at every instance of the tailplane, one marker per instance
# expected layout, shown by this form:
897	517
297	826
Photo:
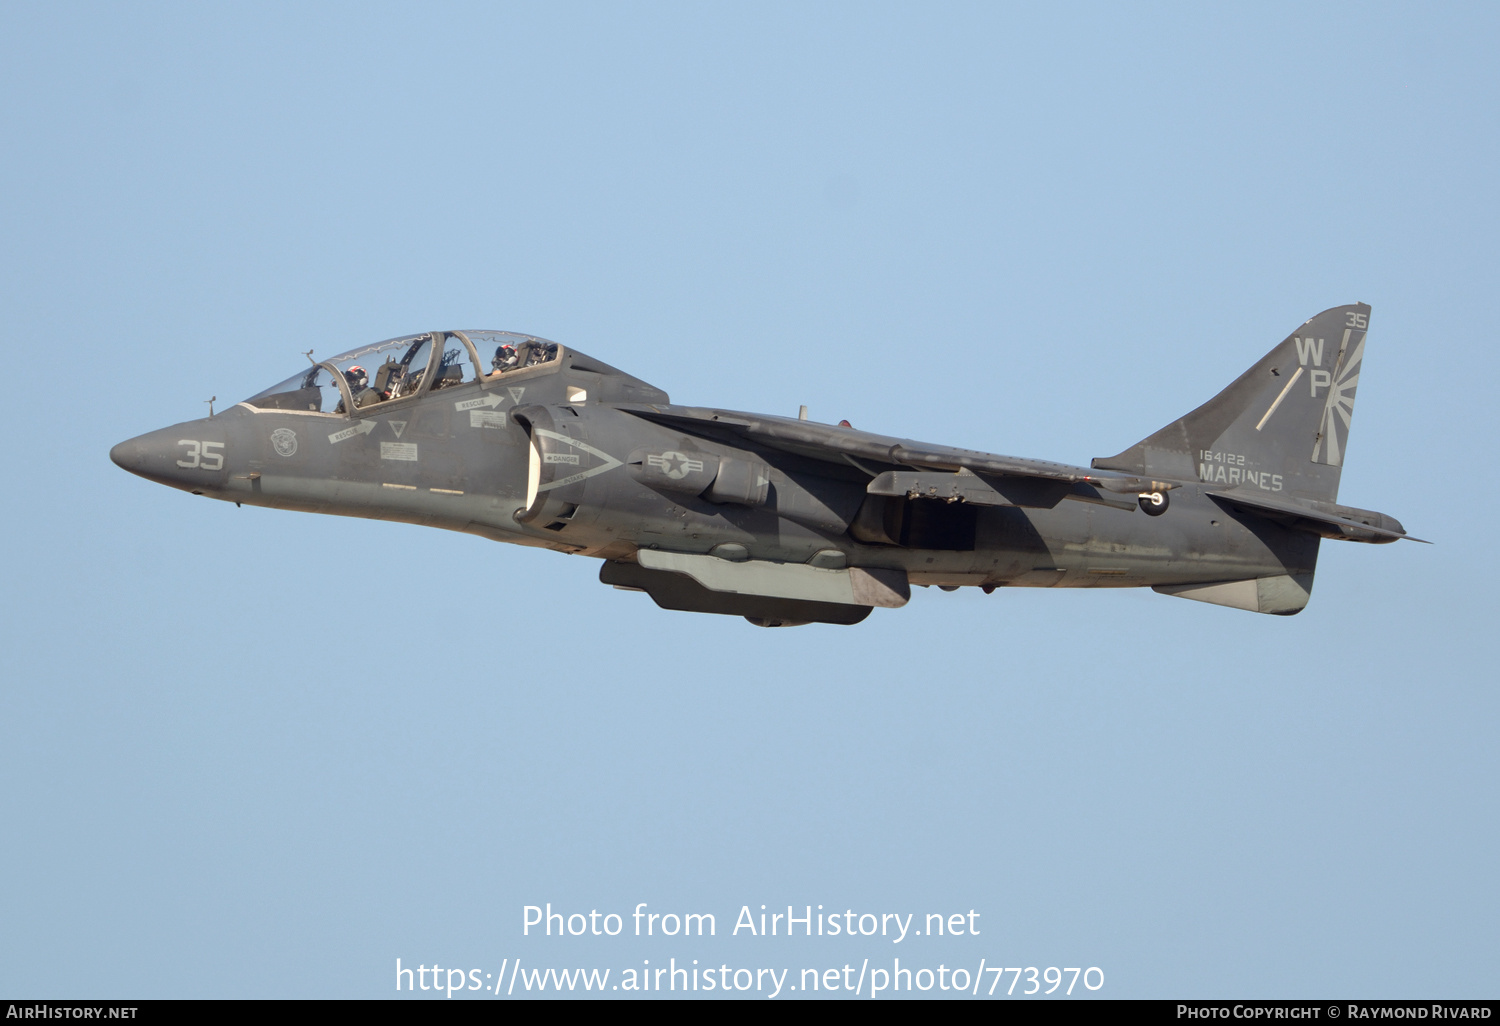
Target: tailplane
1281	428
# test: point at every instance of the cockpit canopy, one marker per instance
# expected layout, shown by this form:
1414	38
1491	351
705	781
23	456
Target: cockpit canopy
402	367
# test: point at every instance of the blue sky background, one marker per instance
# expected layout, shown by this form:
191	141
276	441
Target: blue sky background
243	755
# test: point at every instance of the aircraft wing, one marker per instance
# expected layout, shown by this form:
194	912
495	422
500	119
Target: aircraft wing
849	446
1328	519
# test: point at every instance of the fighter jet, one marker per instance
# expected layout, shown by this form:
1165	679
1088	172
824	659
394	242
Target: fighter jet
783	520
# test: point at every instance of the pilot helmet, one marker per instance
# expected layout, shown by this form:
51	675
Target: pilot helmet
503	355
356	375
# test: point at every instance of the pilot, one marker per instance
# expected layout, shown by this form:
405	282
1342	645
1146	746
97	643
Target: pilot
505	358
359	387
532	353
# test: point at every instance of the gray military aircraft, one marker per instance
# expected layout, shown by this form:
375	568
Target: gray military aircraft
784	520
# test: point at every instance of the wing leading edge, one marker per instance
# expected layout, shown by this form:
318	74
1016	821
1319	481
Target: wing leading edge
850	446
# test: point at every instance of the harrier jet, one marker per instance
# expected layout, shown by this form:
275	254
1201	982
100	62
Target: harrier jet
784	520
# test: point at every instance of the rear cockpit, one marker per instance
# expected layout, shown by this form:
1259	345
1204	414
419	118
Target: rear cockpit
510	352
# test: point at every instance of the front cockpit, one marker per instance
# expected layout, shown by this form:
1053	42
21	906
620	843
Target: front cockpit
402	368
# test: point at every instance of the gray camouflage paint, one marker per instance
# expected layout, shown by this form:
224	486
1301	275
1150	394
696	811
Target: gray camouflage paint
788	521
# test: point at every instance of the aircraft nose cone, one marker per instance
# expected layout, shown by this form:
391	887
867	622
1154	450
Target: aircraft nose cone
189	456
127	456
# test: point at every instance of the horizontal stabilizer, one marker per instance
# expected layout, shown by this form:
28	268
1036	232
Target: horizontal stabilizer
1327	519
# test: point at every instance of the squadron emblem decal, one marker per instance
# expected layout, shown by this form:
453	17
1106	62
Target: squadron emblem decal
1338	409
284	441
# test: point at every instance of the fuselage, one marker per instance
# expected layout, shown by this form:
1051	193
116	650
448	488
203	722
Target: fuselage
569	454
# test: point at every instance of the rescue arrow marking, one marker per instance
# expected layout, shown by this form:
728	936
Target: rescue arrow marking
492	400
610	463
364	427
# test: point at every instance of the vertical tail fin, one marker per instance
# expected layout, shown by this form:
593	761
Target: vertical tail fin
1282	426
